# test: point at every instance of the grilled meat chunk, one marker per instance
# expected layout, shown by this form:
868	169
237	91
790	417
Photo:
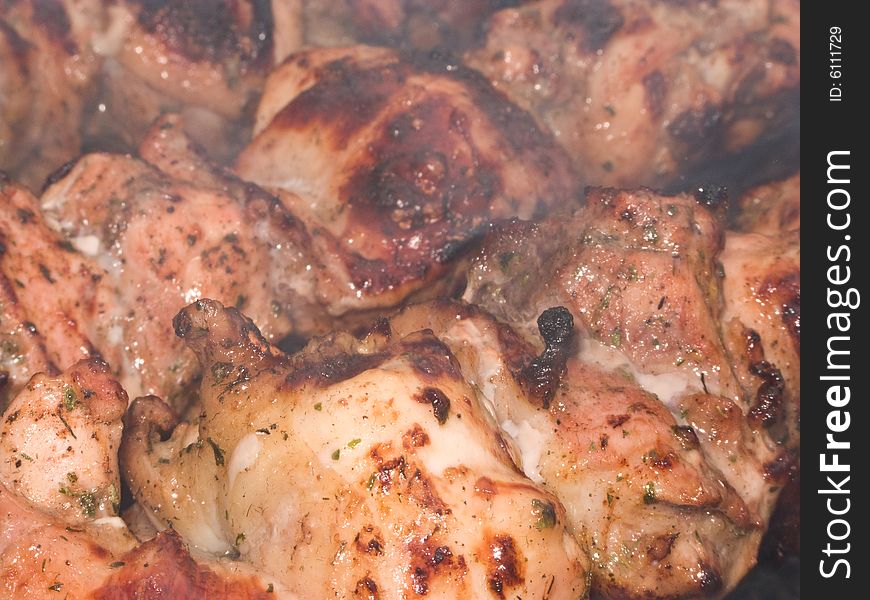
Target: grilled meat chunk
59	495
394	166
356	466
642	489
47	68
642	92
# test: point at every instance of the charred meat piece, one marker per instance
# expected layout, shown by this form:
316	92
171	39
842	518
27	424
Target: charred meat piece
407	24
358	465
641	488
641	92
395	166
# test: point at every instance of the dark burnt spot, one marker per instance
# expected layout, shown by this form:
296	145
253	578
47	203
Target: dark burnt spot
661	546
202	30
696	127
421	489
366	588
782	51
46	273
52	17
769	395
617	420
420	581
332	369
712	195
345	98
430	561
389	473
687	437
541	377
655	91
603	440
599	20
182	323
25	216
783	467
369	541
59	173
415	438
709	580
504	565
429	356
486	487
663	462
439	401
380	327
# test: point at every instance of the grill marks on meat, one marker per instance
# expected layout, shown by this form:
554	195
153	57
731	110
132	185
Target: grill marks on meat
47	69
639	489
642	92
285	470
400	162
661	301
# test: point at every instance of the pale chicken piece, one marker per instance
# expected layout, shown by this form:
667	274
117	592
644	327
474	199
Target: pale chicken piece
165	242
356	467
395	166
47	71
642	92
59	493
640	489
47	294
202	58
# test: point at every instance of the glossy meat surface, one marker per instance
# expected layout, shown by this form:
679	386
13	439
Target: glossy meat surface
354	467
642	488
395	165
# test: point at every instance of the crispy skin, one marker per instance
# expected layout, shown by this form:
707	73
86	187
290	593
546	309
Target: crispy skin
640	93
641	488
204	59
712	330
362	466
396	165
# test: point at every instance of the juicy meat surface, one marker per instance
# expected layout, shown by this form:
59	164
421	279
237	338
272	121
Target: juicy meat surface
643	489
358	466
641	92
59	496
394	165
711	328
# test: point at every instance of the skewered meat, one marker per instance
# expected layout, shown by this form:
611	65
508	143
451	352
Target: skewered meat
642	92
394	166
59	494
356	466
